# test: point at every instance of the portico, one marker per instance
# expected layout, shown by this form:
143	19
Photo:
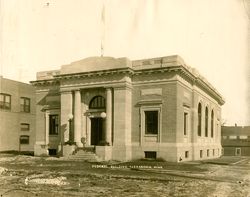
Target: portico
88	115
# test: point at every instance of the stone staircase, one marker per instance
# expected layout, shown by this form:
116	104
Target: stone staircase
84	155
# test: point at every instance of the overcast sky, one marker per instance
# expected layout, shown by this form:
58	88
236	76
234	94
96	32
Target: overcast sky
210	35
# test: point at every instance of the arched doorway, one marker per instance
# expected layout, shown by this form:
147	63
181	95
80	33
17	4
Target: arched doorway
97	106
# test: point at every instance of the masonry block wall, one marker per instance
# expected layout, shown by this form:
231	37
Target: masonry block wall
142	109
16	123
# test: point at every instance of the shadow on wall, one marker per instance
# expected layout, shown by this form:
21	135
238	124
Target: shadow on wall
50	98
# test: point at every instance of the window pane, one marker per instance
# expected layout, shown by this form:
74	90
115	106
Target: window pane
27	101
97	103
53	124
22	101
25	105
151	122
199	119
185	122
7	99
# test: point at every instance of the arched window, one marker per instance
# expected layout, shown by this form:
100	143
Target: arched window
206	122
98	102
199	119
212	123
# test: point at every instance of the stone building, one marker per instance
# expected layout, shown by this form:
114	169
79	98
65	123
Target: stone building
236	140
125	110
17	115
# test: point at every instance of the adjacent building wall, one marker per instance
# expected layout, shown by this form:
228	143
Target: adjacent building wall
11	119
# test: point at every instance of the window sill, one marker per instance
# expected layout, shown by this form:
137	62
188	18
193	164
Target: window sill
150	135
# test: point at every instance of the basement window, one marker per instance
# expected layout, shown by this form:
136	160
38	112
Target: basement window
150	154
52	152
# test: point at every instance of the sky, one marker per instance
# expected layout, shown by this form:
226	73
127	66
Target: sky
210	35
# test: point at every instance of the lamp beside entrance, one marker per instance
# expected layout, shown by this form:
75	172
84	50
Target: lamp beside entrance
103	115
70	116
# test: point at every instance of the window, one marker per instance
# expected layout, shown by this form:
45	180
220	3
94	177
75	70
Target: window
199	119
213	152
53	124
212	123
25	127
224	137
151	122
207	152
186	154
201	153
98	102
5	101
150	154
185	122
233	137
24	139
25	104
206	122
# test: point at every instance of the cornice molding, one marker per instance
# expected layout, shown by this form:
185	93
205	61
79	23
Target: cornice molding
183	71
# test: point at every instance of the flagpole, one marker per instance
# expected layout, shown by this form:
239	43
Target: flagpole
102	29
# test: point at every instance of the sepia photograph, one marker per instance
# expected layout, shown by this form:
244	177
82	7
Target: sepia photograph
125	98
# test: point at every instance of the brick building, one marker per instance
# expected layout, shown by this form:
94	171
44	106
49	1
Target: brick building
150	108
236	140
17	115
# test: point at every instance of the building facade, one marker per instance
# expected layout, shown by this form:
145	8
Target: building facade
236	140
17	115
151	108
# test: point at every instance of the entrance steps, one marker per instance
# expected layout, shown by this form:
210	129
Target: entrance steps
84	155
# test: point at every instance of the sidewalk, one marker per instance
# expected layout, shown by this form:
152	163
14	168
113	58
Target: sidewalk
226	160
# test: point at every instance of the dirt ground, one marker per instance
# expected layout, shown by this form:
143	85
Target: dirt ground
36	176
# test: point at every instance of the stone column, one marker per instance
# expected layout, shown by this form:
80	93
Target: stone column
77	118
108	116
47	128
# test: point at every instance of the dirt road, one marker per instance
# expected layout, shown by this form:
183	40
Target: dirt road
34	176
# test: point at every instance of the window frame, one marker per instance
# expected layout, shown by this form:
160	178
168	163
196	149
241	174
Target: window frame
199	126
25	124
97	102
27	138
142	123
4	101
25	107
